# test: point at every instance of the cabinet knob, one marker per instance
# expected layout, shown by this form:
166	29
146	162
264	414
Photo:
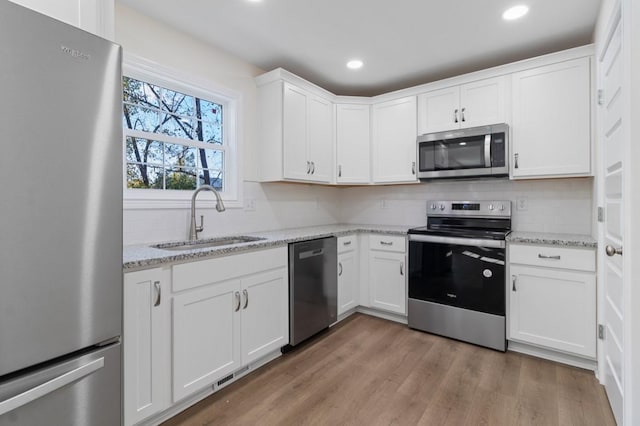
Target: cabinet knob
612	251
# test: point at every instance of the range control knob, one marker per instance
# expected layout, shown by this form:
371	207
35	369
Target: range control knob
490	207
441	206
433	206
501	207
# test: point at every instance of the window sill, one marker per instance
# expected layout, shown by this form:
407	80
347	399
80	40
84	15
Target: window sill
175	204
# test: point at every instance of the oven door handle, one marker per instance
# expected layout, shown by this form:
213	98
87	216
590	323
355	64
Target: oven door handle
475	242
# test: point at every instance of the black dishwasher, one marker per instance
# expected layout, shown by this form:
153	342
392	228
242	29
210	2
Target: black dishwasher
313	287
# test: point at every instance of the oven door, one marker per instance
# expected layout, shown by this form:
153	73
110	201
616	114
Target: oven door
462	272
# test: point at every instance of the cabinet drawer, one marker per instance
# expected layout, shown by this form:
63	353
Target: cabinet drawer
581	259
387	243
196	274
347	243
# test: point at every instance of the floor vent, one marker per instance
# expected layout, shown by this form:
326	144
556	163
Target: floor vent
225	380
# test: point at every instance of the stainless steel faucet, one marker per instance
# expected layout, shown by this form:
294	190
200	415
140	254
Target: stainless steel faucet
193	231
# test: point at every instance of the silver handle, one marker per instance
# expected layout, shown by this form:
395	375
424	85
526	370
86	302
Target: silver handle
413	168
237	296
156	285
386	243
455	116
516	158
513	283
346	243
487	150
543	256
612	251
50	386
462	114
308	167
313	168
246	298
339	171
401	268
475	242
339	269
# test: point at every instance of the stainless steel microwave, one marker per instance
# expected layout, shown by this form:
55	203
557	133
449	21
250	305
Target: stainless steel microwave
475	152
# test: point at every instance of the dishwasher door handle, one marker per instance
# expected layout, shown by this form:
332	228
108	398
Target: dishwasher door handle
311	253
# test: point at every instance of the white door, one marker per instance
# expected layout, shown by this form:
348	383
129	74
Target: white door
353	144
439	110
482	102
612	141
394	140
265	313
295	126
320	139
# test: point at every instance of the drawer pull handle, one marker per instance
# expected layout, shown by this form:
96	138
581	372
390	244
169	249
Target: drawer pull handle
246	299
237	296
401	268
542	256
386	243
346	243
339	269
513	282
158	289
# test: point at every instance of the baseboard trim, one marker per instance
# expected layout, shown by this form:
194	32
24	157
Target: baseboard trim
402	319
575	361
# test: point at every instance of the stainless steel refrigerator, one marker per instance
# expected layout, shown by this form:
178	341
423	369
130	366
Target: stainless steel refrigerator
60	223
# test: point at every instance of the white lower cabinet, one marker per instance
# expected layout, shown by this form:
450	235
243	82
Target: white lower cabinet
348	273
552	306
219	326
146	344
387	273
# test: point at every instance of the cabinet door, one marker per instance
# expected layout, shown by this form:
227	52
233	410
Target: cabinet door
320	139
439	110
347	281
265	313
553	308
353	144
394	140
206	336
294	131
482	102
387	281
551	123
146	345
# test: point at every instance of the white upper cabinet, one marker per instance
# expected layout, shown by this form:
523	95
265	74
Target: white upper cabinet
94	16
353	143
296	134
478	103
394	140
551	123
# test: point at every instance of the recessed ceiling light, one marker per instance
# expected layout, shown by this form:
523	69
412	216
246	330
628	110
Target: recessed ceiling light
254	1
354	64
515	12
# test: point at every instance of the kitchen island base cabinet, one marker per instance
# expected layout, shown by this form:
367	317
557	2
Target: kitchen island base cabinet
146	344
219	327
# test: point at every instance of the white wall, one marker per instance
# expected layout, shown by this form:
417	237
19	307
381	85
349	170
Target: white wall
553	205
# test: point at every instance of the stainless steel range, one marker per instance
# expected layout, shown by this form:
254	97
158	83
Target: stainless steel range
457	271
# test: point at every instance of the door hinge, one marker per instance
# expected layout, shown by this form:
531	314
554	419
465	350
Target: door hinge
600	97
600	214
601	332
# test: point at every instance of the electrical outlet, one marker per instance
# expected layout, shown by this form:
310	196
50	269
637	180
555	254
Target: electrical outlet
385	204
250	204
522	204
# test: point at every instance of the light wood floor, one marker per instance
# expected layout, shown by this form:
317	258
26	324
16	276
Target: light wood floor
370	371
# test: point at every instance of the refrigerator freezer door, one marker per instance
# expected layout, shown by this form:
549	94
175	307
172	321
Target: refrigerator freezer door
81	391
61	189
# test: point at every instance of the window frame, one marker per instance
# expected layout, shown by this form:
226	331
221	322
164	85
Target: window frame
142	69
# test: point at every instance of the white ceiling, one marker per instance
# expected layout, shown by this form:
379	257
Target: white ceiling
402	42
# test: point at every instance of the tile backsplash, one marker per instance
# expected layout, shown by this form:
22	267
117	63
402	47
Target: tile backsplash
552	205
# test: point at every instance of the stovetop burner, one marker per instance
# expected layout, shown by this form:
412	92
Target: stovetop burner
467	219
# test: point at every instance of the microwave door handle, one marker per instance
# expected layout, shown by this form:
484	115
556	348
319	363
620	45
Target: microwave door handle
487	150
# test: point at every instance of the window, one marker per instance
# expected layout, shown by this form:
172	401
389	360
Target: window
177	137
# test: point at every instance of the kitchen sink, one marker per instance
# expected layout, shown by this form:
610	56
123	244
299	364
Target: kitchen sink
208	243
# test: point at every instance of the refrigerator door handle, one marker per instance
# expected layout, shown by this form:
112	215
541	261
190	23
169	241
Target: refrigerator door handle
50	386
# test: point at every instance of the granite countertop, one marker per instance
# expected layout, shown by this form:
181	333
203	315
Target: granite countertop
142	256
568	240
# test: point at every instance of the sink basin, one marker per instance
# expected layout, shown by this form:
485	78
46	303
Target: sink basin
213	242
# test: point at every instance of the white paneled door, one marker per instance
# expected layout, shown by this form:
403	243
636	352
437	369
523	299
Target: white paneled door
612	169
